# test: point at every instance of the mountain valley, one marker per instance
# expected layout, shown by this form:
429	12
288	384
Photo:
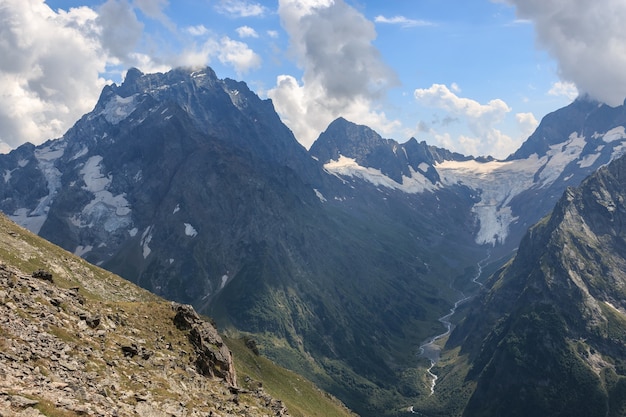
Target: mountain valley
337	260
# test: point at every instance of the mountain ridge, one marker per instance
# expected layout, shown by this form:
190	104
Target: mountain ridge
193	188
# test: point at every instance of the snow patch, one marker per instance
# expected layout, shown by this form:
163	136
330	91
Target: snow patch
119	108
33	223
176	209
81	250
190	230
110	211
348	167
423	166
80	153
146	238
320	195
612	135
588	160
559	156
133	232
237	99
46	158
618	151
224	281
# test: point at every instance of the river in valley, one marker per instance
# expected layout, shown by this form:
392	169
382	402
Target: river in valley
430	349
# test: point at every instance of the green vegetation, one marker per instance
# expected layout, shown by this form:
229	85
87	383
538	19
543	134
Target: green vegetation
301	397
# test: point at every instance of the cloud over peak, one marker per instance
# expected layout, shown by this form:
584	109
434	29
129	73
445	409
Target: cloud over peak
343	73
587	40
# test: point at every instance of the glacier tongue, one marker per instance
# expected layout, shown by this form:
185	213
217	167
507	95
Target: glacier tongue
497	183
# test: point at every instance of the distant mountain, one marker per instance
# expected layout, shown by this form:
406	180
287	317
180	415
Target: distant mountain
338	261
549	336
509	195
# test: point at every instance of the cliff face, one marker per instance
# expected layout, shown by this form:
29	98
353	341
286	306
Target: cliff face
548	338
75	340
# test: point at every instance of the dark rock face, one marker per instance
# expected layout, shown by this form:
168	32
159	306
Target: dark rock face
213	358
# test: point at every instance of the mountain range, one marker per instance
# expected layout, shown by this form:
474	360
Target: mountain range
338	260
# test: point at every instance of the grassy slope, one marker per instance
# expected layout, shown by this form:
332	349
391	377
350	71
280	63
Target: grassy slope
105	291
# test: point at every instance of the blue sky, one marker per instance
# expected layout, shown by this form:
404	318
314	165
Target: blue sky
474	76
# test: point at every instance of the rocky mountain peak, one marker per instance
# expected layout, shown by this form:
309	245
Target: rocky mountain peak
584	117
348	139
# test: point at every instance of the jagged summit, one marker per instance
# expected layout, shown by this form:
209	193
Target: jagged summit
368	149
585	118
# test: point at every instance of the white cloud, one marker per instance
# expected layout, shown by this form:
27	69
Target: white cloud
402	21
246	32
527	123
239	55
155	10
120	29
44	87
587	40
564	89
343	73
480	119
198	30
442	97
226	50
240	8
272	34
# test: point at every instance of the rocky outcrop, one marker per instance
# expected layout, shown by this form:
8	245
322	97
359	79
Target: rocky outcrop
212	356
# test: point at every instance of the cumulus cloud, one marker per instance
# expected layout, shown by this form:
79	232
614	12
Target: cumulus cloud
479	115
481	119
564	89
238	54
155	10
527	123
587	40
343	73
402	21
198	30
120	29
44	88
240	8
246	32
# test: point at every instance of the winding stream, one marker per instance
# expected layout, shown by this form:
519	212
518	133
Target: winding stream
430	349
